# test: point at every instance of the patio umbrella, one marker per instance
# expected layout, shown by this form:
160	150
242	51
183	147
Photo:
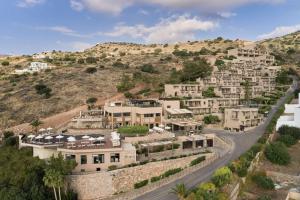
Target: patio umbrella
167	127
161	126
49	129
39	137
100	138
92	139
85	137
42	130
71	139
49	138
59	137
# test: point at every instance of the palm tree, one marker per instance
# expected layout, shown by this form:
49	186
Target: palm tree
35	125
180	190
55	180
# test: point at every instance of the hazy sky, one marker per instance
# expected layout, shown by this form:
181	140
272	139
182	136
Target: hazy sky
29	26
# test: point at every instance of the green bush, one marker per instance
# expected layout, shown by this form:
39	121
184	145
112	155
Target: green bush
43	89
197	160
91	60
141	184
264	197
155	178
222	176
289	130
148	68
171	172
288	140
211	119
125	84
5	63
195	69
209	93
91	70
91	100
133	130
119	64
277	153
263	181
128	95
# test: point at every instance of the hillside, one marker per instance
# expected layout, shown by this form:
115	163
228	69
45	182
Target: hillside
95	72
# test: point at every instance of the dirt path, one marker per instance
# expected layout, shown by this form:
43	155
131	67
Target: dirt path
59	120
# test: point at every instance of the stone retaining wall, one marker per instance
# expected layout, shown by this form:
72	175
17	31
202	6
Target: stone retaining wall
281	177
99	185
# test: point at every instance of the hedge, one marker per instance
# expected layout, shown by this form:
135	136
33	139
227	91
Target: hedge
277	153
141	184
197	160
155	178
133	130
288	140
171	172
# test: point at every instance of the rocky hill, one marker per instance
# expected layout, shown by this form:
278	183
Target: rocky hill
103	71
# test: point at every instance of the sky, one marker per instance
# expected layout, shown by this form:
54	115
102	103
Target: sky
32	26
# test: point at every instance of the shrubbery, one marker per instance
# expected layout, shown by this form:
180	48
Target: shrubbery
43	89
287	140
91	70
171	172
209	93
141	184
277	153
125	84
263	181
211	119
197	160
148	68
133	130
289	130
5	63
222	176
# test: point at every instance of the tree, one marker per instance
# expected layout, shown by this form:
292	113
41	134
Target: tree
263	181
288	140
290	130
195	69
209	93
43	89
125	84
222	176
277	153
55	171
53	179
180	190
35	125
148	68
283	78
211	119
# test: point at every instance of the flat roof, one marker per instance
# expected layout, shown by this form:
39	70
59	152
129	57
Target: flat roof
175	111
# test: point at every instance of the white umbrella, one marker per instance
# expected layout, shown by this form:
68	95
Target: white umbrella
151	130
100	138
39	137
49	137
161	126
92	139
30	136
85	137
42	129
167	127
71	139
49	129
59	137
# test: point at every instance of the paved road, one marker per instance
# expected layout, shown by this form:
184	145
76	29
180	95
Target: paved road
242	142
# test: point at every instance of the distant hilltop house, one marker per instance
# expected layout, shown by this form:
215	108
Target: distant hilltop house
42	55
291	116
34	67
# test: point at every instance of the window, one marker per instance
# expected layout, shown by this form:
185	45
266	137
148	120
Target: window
148	115
127	114
117	114
115	157
157	114
70	157
83	159
98	158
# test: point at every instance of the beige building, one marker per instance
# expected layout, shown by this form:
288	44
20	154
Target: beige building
210	105
252	53
240	119
91	119
133	112
91	152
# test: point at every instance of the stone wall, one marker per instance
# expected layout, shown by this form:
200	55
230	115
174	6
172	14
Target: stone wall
280	177
97	185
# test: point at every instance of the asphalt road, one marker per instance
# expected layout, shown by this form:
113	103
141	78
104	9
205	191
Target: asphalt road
242	142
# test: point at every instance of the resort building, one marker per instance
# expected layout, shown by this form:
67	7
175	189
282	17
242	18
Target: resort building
210	105
133	112
240	119
252	53
91	152
91	119
291	116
